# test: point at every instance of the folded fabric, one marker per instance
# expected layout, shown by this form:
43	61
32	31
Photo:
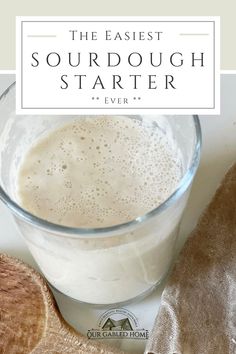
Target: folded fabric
198	308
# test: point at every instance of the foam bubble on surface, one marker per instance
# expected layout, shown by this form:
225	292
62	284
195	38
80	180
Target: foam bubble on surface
98	171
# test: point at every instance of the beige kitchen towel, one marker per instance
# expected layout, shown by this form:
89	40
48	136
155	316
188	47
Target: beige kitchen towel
198	308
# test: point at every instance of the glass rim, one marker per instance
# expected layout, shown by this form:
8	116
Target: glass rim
185	181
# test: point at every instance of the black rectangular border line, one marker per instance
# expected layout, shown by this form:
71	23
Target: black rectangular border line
21	66
214	65
116	21
115	108
119	108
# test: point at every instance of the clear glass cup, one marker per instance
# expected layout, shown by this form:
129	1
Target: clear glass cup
102	265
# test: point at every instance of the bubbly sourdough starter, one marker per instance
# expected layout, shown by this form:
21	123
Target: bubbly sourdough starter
98	172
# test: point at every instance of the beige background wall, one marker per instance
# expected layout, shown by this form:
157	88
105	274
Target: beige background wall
11	8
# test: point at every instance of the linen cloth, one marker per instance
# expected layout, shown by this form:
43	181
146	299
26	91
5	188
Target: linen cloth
198	308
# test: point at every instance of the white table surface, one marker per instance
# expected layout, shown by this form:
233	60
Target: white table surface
218	153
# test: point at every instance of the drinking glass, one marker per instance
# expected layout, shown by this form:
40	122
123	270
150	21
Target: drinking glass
101	266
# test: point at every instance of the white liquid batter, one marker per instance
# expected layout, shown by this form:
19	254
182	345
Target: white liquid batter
99	172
